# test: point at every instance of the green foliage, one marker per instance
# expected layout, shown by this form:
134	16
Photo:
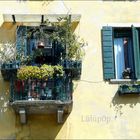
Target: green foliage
47	71
137	82
42	73
58	70
27	72
37	32
63	33
8	53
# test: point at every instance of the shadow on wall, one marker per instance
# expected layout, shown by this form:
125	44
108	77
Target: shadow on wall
4	96
7	32
7	117
39	127
119	102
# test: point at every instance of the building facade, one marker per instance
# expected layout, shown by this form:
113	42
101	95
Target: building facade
98	111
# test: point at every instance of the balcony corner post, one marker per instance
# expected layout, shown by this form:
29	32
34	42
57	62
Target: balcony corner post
22	114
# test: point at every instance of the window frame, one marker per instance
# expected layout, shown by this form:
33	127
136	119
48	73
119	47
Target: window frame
120	25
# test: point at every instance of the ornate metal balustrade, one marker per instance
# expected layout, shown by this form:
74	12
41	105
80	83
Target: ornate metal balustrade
9	70
74	67
51	89
42	97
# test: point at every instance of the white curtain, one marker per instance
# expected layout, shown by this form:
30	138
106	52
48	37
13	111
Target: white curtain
119	57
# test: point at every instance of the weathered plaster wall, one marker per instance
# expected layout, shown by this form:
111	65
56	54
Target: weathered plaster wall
97	111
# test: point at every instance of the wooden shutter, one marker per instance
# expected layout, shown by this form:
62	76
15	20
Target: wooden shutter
136	48
21	40
108	55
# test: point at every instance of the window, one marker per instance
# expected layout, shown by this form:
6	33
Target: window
50	53
121	52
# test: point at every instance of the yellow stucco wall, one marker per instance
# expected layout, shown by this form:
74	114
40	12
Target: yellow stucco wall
97	111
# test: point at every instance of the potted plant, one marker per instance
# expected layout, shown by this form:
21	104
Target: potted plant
58	71
8	60
129	89
74	46
35	78
127	73
61	32
44	72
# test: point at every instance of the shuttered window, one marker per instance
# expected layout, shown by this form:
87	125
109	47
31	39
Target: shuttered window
110	67
136	51
108	55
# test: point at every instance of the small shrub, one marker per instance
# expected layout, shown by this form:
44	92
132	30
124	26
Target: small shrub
44	72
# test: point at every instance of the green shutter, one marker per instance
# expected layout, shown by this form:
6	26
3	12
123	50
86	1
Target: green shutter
21	40
108	55
136	51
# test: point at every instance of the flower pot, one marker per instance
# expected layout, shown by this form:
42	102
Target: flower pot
129	89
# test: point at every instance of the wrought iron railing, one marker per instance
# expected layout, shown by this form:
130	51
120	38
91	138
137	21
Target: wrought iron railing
75	67
70	64
10	65
52	89
9	70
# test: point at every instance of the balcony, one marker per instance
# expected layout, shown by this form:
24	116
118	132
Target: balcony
33	90
41	66
42	97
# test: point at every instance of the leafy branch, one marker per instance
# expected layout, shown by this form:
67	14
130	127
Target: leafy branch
62	32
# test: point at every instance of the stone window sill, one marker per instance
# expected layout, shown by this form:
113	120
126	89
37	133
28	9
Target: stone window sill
124	81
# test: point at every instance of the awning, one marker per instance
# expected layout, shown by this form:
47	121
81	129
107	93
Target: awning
37	18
